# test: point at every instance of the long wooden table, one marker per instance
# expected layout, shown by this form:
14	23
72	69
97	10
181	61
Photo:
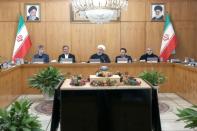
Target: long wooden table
180	79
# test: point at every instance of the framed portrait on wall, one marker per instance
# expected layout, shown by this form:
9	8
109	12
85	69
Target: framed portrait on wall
32	12
157	12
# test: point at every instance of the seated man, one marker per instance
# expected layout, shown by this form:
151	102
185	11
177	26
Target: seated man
66	54
101	55
149	55
41	55
123	54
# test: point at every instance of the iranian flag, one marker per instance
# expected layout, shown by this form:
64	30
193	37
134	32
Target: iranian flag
169	40
22	42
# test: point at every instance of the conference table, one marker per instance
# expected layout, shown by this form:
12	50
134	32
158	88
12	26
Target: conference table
181	79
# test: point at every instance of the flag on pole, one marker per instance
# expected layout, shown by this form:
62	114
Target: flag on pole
22	42
169	40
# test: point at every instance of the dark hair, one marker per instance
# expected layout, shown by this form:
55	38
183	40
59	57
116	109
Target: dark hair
123	49
65	46
40	46
31	8
158	7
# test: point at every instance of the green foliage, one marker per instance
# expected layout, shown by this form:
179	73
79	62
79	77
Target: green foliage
46	80
189	116
154	77
17	118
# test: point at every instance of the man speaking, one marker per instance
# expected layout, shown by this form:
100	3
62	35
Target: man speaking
100	55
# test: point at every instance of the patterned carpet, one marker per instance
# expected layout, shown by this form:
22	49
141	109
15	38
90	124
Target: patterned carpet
163	107
45	107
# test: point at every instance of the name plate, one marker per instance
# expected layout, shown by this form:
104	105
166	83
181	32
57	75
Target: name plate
66	60
95	61
152	60
122	60
38	61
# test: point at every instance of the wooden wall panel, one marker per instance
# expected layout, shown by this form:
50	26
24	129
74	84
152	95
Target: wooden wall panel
10	85
83	41
133	38
186	85
57	10
186	34
55	40
9	11
154	33
193	9
7	39
136	11
180	11
109	35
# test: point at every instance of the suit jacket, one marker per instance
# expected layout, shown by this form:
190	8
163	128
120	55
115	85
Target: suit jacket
45	57
127	56
146	56
69	56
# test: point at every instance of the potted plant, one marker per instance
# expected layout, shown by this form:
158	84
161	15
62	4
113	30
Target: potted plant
46	80
189	116
153	77
17	118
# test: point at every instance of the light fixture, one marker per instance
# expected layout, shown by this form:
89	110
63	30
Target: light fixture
99	11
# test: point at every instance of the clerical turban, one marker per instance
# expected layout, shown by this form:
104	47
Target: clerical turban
101	46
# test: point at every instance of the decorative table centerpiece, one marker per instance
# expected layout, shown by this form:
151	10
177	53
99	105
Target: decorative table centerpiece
104	77
78	80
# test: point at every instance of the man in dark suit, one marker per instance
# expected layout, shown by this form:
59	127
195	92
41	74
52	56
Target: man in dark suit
104	58
149	55
66	54
41	55
123	54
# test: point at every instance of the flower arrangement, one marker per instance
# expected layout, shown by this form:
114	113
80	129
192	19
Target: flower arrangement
104	73
78	80
106	82
129	80
122	75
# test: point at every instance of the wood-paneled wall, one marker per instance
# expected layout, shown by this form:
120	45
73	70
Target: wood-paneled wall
10	85
135	31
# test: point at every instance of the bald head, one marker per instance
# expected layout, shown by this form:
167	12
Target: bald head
149	51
